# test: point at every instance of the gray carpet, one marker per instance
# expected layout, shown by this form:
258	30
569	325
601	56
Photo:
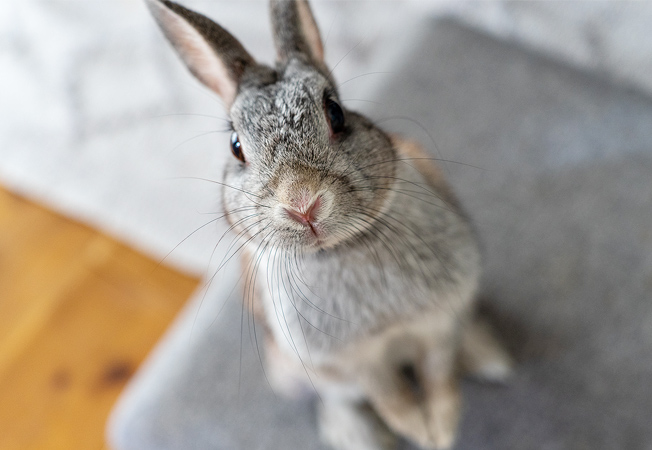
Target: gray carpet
555	167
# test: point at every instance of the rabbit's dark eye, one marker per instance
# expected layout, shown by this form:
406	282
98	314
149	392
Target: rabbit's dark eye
236	147
335	116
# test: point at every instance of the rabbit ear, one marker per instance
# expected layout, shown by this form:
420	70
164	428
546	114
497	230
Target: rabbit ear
211	53
295	31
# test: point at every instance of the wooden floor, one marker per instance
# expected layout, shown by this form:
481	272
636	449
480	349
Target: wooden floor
78	313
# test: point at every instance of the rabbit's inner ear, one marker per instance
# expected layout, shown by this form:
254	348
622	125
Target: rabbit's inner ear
296	32
213	55
310	31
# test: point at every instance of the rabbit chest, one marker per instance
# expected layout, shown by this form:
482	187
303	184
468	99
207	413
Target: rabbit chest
418	257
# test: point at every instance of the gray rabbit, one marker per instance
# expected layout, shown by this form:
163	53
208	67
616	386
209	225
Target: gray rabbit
360	265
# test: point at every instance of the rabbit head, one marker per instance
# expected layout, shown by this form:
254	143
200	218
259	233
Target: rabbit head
306	173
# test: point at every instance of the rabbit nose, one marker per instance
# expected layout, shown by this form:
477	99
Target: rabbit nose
304	212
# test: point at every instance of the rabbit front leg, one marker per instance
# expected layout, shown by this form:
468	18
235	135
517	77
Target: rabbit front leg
428	418
346	421
410	380
349	424
482	355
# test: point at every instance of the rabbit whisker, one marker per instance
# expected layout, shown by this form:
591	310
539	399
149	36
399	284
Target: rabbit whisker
221	184
192	115
363	75
206	133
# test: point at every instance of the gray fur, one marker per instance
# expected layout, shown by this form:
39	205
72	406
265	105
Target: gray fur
291	33
391	247
392	253
413	258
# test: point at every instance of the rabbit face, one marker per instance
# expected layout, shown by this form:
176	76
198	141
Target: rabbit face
309	175
314	175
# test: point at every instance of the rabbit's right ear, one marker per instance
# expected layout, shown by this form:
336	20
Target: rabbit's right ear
295	31
211	53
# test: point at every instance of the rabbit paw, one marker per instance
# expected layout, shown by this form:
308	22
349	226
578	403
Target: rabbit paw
482	356
353	426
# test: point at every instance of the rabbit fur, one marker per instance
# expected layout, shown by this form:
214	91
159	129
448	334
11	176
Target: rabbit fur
358	260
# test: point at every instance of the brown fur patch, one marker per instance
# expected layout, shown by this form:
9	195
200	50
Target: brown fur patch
414	154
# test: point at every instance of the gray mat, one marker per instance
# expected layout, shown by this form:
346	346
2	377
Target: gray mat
555	167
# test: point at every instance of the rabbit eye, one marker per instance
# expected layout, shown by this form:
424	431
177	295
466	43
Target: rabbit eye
236	146
335	116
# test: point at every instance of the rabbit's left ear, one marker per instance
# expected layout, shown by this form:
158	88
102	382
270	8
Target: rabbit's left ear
295	32
211	53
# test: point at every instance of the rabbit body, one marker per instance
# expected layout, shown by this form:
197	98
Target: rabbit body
359	263
346	322
419	258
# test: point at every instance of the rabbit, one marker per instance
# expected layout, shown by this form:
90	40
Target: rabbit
359	262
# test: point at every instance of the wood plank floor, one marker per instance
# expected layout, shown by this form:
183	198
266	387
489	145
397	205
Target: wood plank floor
78	313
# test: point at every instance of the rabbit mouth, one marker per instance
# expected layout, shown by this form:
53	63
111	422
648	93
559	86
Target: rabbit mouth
315	237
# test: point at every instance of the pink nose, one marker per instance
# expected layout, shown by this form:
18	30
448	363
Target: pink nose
305	215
